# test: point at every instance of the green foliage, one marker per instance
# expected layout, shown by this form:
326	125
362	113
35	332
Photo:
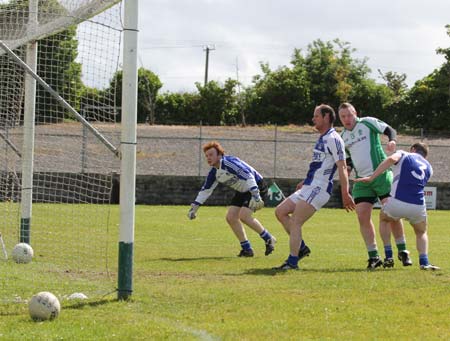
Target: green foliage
213	104
189	284
63	74
429	100
278	96
148	87
177	108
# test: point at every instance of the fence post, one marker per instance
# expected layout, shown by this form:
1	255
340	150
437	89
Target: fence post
275	152
200	149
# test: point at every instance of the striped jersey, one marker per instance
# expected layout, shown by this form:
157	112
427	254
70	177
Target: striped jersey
411	174
363	145
328	150
232	172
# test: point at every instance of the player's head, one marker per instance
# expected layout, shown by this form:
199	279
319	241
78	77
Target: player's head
347	115
213	153
323	118
325	110
420	148
216	145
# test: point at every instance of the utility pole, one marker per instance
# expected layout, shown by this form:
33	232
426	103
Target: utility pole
207	48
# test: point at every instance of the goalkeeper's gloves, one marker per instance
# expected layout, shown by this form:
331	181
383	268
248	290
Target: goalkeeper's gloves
256	203
192	214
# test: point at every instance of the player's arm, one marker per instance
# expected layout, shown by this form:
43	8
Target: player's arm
347	199
337	151
391	133
206	191
382	167
349	163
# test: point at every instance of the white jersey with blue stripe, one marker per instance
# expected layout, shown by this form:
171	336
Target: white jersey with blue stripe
232	172
411	174
328	150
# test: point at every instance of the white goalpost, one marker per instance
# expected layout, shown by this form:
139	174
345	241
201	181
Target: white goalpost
61	145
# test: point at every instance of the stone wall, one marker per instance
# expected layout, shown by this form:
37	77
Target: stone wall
182	190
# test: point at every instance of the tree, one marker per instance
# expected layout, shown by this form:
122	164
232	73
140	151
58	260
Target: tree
429	99
61	72
148	87
280	96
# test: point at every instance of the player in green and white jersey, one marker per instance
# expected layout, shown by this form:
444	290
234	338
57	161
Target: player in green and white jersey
363	145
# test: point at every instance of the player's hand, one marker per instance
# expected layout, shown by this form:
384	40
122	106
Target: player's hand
192	214
299	186
365	179
256	203
348	202
391	146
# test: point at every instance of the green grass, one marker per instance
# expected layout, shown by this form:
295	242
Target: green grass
189	284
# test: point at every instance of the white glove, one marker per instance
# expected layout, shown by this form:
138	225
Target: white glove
193	211
256	203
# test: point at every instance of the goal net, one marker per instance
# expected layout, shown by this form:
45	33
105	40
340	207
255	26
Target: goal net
65	213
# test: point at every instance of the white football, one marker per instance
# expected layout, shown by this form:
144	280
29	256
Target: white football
22	253
77	296
44	306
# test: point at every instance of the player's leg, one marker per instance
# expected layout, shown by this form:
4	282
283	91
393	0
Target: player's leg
246	216
420	229
367	230
233	220
390	214
303	211
283	213
382	187
308	200
365	196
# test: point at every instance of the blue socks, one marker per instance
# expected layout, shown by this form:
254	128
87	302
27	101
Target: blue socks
388	251
265	235
293	260
423	259
246	245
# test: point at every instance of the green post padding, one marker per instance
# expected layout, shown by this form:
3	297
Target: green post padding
25	224
275	195
125	280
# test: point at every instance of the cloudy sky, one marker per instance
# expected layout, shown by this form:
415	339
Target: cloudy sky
395	35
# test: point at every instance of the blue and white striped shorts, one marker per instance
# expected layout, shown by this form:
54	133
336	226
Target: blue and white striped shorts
316	196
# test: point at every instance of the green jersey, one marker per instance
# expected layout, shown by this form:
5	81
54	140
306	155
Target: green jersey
363	145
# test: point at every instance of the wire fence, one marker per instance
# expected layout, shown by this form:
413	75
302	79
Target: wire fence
276	152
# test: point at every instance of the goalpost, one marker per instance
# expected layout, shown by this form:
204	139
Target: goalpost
61	147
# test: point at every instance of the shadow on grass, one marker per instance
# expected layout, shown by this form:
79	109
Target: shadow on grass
273	272
83	303
194	259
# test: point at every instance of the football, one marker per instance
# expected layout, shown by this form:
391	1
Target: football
22	253
44	306
77	296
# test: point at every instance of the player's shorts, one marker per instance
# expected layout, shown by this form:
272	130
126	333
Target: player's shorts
397	209
371	191
316	196
243	199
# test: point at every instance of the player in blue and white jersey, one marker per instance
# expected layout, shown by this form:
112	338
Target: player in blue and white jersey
315	190
411	173
250	193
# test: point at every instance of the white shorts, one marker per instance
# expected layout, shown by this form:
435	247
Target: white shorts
313	195
397	209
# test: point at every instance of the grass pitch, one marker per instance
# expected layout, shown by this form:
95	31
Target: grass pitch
189	284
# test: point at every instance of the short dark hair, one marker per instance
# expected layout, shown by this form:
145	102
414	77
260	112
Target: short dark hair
420	148
326	109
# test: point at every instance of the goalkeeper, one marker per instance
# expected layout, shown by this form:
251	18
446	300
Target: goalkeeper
251	190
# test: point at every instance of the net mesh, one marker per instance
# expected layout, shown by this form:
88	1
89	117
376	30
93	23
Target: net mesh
79	45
